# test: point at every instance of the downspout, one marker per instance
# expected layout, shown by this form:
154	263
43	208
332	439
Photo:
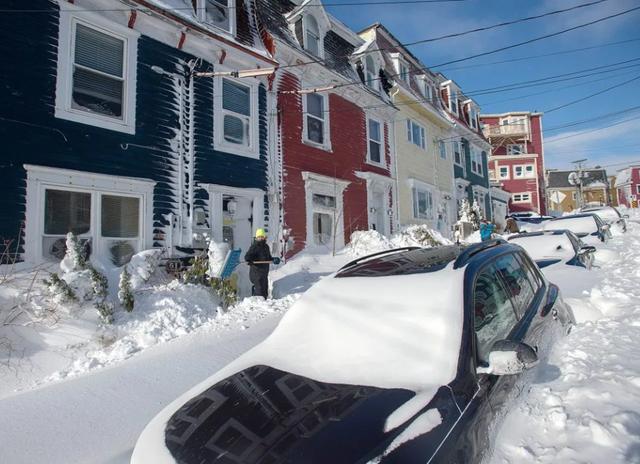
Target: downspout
394	153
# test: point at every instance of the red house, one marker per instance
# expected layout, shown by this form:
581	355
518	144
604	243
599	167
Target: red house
335	167
517	160
628	186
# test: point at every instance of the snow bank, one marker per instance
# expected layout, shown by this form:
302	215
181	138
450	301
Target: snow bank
364	243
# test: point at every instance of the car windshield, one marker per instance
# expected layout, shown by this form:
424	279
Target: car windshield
580	226
606	214
546	246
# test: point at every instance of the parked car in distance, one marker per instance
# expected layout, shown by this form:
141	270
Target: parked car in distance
587	226
551	247
609	215
405	356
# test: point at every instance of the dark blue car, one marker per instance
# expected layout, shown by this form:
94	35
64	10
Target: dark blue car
407	356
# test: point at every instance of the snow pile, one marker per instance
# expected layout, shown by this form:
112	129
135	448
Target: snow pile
142	267
217	253
364	243
583	403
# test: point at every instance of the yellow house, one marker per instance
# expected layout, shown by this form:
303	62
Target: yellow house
421	131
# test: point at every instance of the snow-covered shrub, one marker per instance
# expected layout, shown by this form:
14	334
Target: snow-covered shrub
74	259
60	289
99	282
142	266
366	242
418	235
226	289
197	272
105	311
125	293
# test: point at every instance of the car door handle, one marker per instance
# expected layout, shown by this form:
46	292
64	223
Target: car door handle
554	314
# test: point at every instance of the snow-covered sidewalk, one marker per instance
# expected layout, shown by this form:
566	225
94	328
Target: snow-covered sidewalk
584	404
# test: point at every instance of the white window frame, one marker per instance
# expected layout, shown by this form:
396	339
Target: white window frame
453	91
416	190
476	155
42	178
382	162
399	63
253	149
638	189
521	197
458	144
423	134
371	78
231	8
442	149
473	116
511	146
326	127
507	175
528	171
321	33
480	197
64	78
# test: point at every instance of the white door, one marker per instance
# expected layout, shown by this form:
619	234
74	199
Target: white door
377	213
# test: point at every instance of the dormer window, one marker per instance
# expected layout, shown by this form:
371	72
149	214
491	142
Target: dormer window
370	74
427	89
453	100
218	13
403	69
311	35
473	116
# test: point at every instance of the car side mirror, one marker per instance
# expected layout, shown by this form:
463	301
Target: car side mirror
509	357
587	249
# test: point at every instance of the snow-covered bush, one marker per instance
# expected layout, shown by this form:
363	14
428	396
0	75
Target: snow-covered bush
217	253
125	293
105	311
60	289
418	235
74	259
142	266
99	282
470	213
197	272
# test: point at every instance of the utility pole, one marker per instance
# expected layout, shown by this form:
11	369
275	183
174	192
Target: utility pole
579	168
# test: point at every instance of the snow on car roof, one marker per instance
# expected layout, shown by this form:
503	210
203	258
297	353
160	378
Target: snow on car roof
542	246
399	331
606	213
579	224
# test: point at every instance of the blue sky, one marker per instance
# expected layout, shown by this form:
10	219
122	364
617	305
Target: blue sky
601	145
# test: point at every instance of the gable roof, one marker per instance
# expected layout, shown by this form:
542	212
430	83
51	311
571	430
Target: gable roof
560	179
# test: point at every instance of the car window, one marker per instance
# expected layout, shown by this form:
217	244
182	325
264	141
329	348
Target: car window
517	282
533	273
575	241
493	311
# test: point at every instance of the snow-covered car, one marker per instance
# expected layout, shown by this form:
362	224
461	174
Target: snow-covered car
555	247
587	226
609	215
405	356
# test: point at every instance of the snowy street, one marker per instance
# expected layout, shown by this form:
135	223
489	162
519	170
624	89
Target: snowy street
582	405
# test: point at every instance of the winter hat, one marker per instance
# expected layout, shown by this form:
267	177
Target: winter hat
261	233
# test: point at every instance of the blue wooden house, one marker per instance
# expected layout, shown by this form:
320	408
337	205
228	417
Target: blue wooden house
110	130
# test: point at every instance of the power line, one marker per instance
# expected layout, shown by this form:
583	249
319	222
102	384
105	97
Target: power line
602	116
536	39
593	130
592	95
544	55
463	33
186	8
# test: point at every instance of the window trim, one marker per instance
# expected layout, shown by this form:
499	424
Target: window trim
374	82
423	134
202	16
524	167
458	144
415	191
253	149
508	175
451	92
64	78
326	126
510	145
442	149
638	189
383	158
321	34
42	178
477	156
522	197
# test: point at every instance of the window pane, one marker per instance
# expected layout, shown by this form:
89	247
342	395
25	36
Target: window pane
217	13
517	282
236	97
374	151
415	134
315	129
409	130
97	93
66	212
324	200
236	130
120	216
322	228
315	105
493	312
313	44
99	51
374	130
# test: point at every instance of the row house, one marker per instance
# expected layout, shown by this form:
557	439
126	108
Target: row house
470	148
421	130
111	131
627	186
333	162
517	159
563	195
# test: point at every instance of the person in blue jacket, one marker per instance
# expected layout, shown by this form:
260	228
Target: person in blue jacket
486	229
